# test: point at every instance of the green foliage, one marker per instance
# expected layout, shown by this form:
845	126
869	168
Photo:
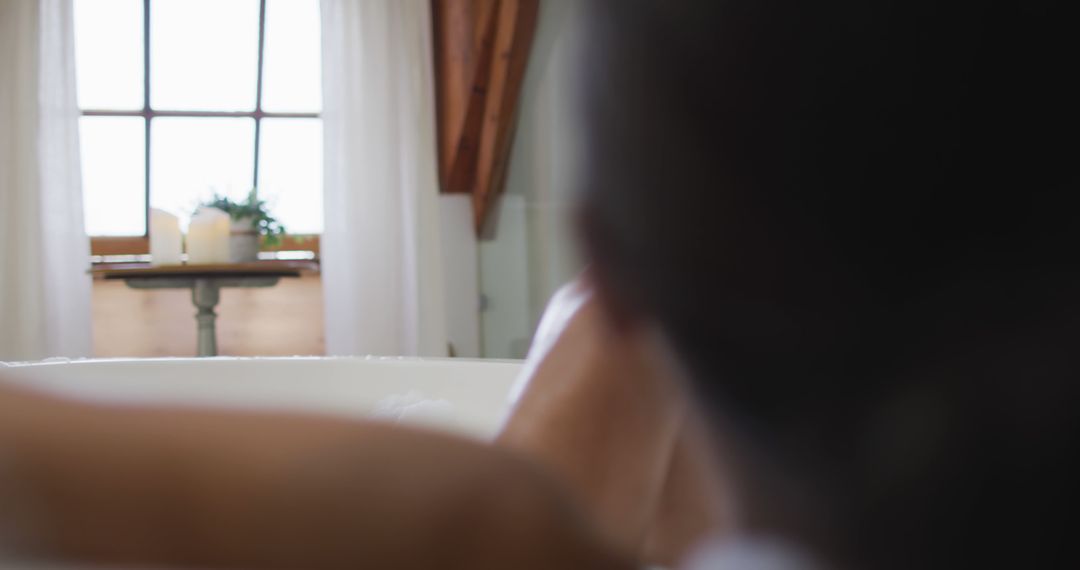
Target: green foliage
254	209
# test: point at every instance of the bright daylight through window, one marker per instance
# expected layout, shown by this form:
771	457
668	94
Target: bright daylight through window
185	98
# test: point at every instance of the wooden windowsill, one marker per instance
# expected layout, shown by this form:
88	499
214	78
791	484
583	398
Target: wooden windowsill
119	246
140	245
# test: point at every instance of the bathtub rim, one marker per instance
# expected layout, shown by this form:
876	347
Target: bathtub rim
183	360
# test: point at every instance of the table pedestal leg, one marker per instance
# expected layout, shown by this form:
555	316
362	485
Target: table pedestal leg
206	294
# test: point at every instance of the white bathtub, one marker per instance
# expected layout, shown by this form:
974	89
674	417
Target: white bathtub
469	397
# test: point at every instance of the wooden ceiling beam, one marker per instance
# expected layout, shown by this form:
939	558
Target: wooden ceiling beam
482	49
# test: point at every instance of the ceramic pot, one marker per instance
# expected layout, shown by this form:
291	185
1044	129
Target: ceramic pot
243	241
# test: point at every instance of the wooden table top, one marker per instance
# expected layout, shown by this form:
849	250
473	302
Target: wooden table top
253	269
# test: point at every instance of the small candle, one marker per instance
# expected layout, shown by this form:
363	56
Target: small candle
208	237
165	238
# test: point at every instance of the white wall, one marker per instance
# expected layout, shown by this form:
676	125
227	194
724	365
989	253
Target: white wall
530	251
461	273
504	282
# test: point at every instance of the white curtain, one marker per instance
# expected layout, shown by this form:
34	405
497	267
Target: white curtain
44	251
381	263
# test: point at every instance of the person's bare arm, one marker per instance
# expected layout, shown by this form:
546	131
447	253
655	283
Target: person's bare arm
602	410
599	414
697	501
223	489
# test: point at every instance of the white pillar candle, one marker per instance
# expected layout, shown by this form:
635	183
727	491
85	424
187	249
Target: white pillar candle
165	238
208	237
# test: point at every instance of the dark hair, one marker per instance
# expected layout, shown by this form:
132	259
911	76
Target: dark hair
853	221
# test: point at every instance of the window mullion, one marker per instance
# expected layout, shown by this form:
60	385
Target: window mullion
147	112
258	94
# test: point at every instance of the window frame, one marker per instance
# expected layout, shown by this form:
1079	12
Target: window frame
140	245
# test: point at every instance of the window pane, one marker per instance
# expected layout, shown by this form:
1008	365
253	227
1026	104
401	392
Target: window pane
292	72
113	175
193	157
204	54
290	173
109	53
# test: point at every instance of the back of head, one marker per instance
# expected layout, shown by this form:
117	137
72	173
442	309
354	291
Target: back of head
852	221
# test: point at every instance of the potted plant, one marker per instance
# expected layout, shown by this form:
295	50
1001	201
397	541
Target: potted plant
251	220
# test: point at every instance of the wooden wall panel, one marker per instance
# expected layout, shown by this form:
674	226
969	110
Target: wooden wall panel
285	320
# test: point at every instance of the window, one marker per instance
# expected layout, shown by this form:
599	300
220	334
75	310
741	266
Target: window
184	98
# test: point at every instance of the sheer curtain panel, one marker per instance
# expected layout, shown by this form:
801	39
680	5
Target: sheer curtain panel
381	260
44	251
